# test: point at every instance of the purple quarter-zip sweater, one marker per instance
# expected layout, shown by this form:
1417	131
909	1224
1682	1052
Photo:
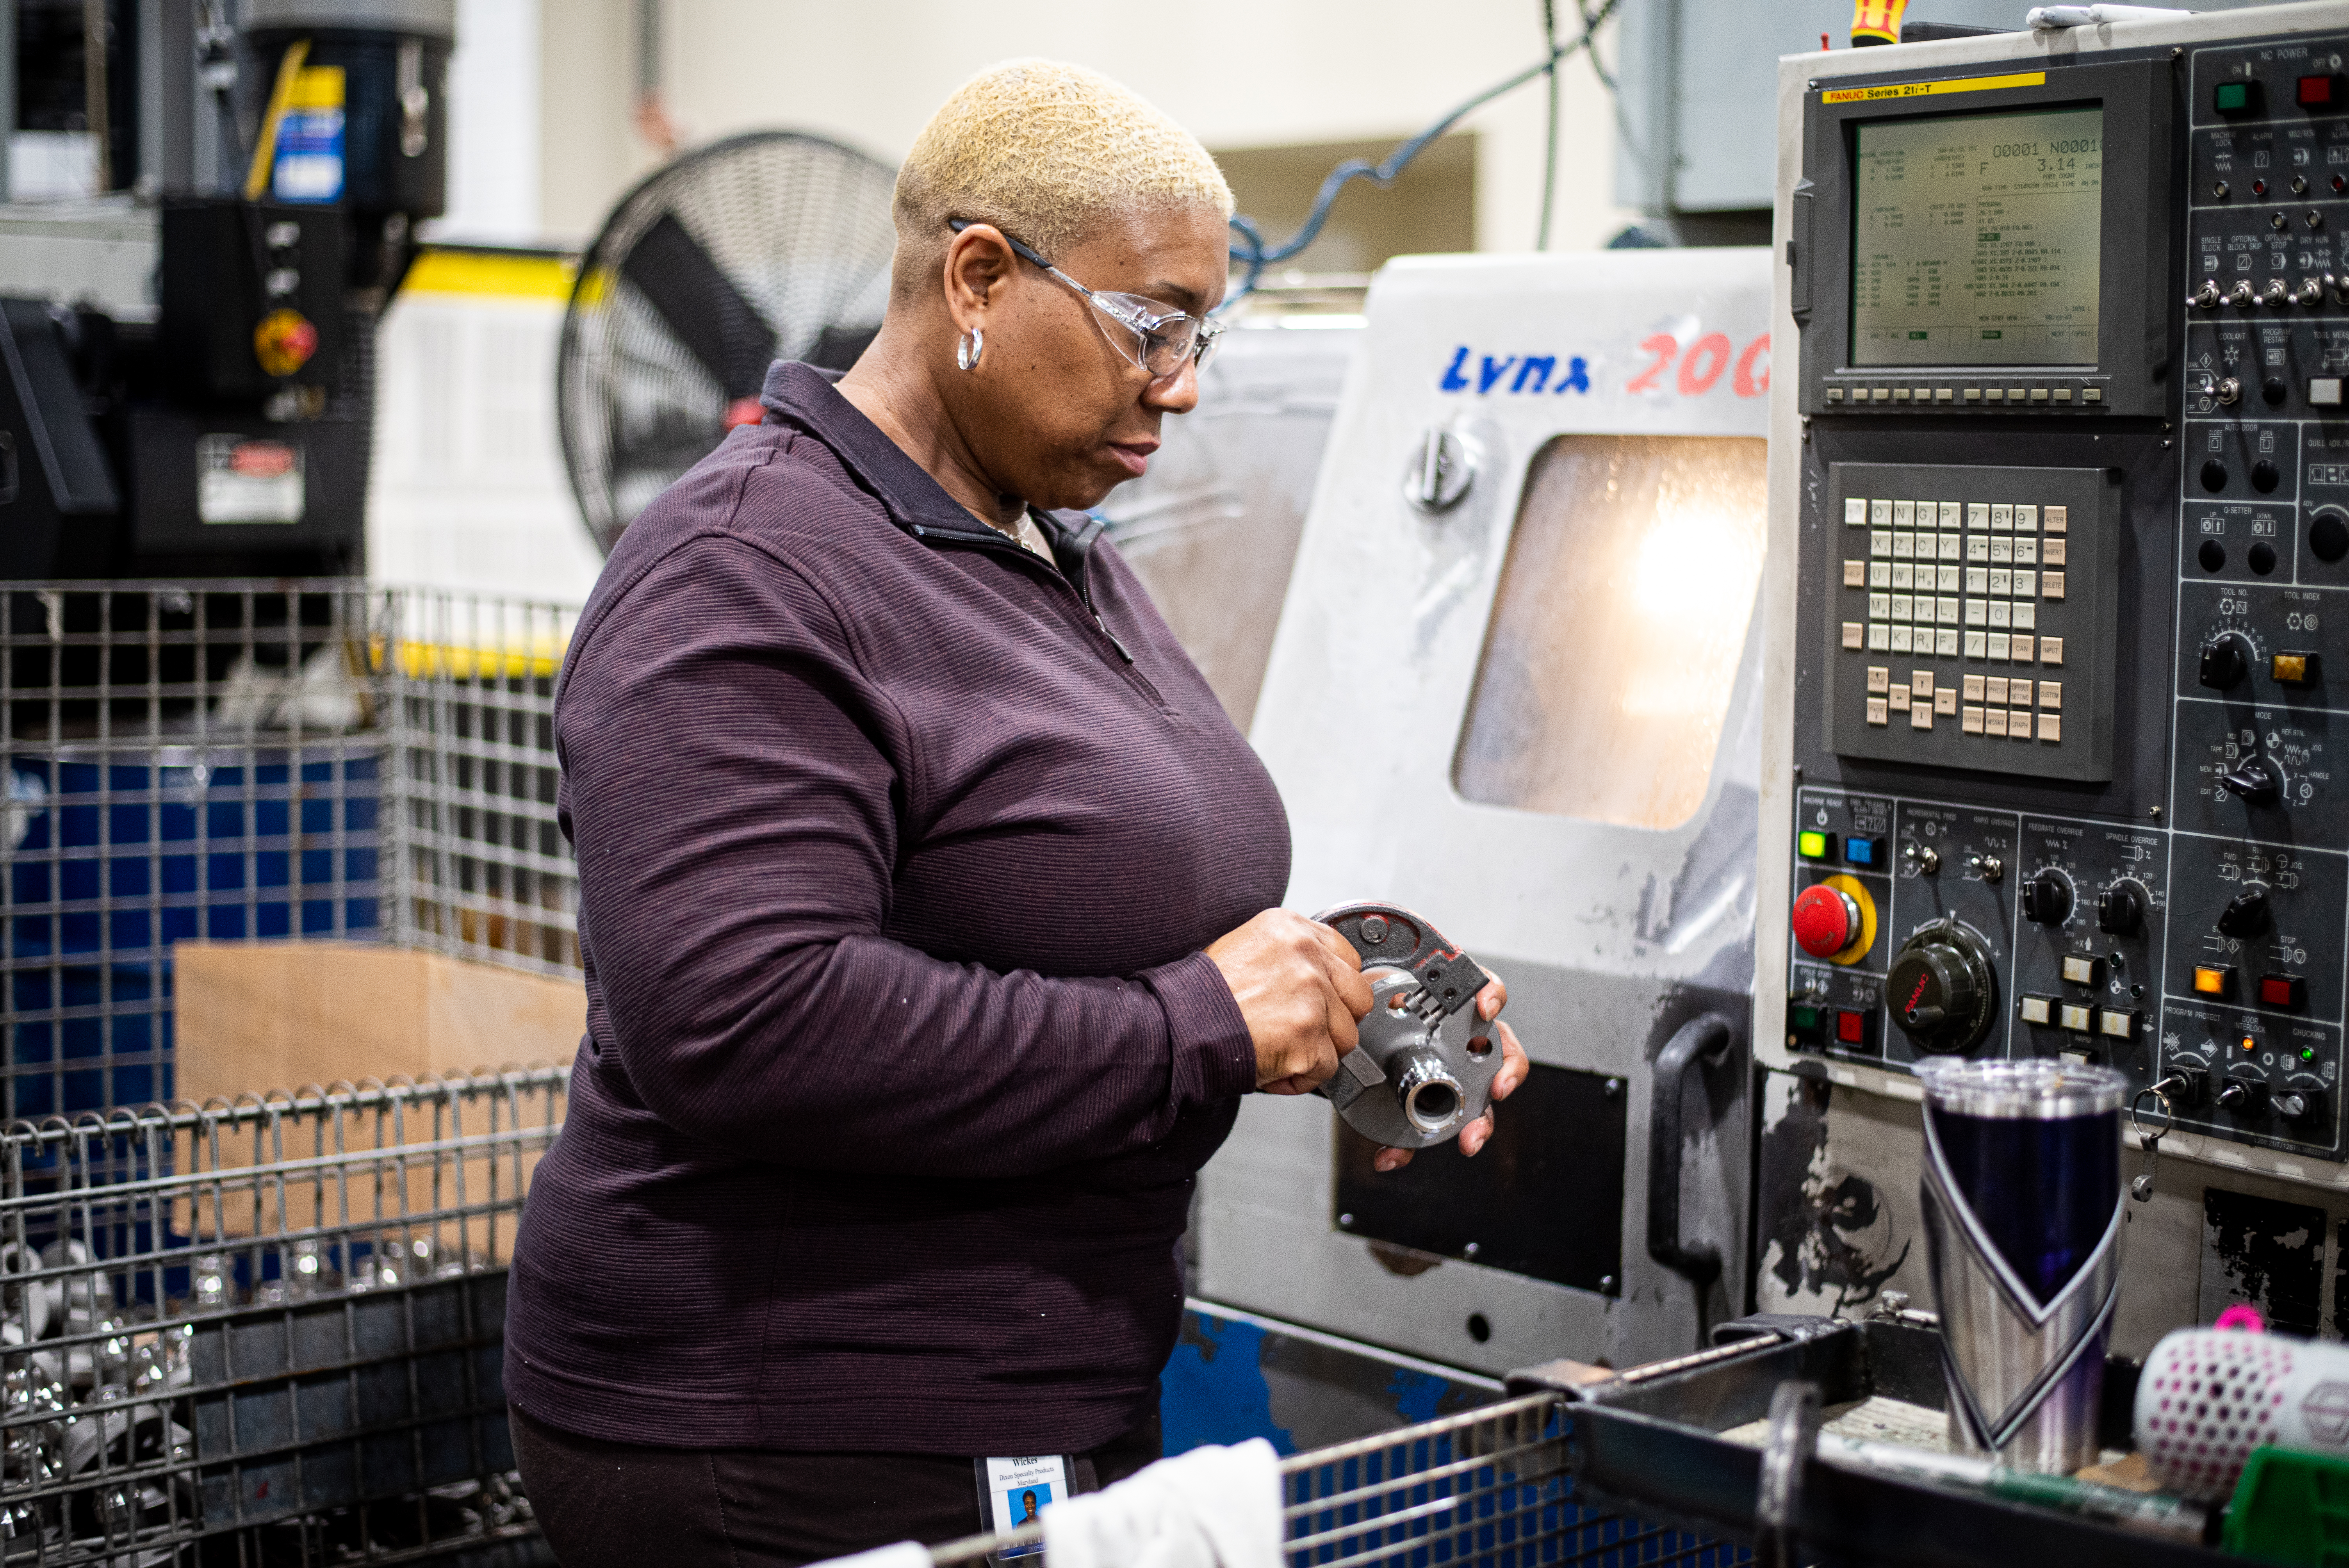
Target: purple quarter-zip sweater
897	849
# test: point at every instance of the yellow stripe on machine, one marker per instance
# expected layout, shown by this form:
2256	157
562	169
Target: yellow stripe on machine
1935	90
485	273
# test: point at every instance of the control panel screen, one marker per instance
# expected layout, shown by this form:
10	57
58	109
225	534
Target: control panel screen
1977	239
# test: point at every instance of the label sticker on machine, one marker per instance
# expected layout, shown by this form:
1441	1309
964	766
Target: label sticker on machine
1017	1490
242	478
309	165
1936	90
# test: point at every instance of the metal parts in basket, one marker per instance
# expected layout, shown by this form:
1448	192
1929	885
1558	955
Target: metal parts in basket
277	1322
1425	1066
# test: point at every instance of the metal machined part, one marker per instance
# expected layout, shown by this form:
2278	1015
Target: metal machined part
1425	1065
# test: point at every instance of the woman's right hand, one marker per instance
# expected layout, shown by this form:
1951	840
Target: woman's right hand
1299	985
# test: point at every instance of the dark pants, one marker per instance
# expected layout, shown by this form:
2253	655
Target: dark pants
616	1503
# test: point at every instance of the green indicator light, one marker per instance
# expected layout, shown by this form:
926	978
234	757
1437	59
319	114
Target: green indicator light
1812	846
2233	98
2308	1053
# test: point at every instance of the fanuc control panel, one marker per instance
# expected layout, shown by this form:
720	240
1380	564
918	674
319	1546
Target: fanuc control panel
2070	517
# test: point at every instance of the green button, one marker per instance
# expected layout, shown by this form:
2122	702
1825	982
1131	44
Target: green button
1806	1018
1814	846
2233	98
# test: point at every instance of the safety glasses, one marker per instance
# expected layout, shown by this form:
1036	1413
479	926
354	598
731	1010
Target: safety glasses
1150	336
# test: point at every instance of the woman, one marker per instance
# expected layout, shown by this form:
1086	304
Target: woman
928	900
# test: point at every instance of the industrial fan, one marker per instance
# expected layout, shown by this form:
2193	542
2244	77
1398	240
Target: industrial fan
770	245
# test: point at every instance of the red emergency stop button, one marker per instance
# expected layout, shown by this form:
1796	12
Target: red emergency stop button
1826	921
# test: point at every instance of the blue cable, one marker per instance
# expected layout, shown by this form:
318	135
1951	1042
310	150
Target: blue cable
1383	175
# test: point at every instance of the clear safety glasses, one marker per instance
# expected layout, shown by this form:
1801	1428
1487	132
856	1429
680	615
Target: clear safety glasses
1152	338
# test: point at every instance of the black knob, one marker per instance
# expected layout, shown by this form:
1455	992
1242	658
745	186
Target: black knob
2254	780
2047	898
2244	1097
2300	1104
2120	909
2265	476
2328	533
2246	913
2273	390
1940	989
2226	658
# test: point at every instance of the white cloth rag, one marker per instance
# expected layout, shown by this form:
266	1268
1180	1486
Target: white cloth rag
1210	1508
904	1554
2095	15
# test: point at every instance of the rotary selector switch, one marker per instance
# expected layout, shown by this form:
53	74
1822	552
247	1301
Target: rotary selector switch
2243	1097
2254	780
2226	660
2120	908
2301	1102
2246	913
2048	897
1941	991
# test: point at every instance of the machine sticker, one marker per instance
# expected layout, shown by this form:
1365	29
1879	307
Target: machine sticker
309	166
1935	90
240	479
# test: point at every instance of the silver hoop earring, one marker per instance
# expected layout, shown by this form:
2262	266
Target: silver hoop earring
968	348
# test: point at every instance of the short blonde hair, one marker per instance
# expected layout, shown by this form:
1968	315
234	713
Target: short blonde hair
1043	151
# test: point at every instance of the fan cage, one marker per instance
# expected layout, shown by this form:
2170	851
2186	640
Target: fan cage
799	226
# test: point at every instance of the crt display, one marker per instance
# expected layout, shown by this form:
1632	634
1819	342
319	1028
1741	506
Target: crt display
1976	238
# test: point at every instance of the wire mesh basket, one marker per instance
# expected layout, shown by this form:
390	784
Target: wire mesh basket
1488	1487
269	1332
181	760
482	866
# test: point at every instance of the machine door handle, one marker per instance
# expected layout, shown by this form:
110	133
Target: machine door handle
1700	1043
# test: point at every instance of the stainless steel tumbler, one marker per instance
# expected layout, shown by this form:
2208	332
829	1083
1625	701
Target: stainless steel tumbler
2023	1217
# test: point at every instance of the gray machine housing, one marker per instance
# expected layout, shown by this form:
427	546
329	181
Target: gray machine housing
2212	525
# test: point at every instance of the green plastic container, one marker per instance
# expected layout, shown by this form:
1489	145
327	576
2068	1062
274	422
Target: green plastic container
2291	1507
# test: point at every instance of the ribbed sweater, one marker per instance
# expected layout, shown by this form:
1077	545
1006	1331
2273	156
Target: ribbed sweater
898	847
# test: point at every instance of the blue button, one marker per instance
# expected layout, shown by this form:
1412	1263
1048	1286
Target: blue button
1861	852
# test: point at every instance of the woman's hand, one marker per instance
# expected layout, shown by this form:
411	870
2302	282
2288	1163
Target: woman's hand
1513	1068
1299	985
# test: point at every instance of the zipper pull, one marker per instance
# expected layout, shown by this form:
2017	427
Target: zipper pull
1113	637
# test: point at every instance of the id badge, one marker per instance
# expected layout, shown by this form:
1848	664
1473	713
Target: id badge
1014	1491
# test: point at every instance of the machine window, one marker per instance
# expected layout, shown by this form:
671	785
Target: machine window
1617	628
1977	239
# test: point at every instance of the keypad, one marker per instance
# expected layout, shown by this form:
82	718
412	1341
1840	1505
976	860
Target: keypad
1975	582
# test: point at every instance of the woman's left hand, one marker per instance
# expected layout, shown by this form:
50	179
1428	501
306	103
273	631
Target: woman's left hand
1513	1068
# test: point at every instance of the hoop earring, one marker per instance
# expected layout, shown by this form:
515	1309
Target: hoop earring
968	348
